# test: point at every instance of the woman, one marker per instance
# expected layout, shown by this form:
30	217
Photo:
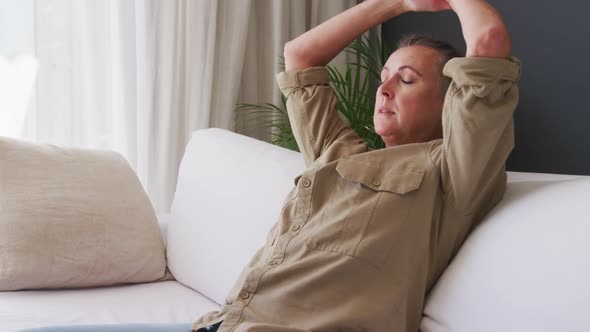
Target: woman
364	235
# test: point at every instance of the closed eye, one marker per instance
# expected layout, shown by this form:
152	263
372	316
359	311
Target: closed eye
404	81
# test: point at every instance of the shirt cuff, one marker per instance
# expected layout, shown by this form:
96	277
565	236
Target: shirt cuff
289	81
474	70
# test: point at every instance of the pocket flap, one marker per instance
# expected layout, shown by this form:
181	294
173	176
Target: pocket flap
399	180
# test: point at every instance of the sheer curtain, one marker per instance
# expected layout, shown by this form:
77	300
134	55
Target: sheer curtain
94	86
138	76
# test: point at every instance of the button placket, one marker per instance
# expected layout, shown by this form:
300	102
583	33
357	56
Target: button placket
302	210
252	279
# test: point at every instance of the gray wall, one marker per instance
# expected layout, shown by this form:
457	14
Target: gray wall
553	42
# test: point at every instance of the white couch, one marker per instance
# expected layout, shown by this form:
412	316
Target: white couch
526	268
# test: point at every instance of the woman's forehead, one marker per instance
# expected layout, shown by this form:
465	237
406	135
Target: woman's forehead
420	57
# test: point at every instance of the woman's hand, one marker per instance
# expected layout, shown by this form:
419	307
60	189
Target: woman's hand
426	5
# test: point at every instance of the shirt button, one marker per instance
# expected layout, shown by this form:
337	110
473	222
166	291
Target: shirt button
295	227
273	262
306	182
244	295
376	183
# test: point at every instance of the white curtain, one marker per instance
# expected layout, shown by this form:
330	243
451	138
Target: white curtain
138	76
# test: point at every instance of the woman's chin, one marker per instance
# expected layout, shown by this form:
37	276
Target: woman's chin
389	135
384	130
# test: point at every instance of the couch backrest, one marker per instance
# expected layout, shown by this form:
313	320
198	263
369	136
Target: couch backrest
229	193
525	268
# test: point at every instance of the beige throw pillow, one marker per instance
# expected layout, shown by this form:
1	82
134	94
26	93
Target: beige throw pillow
73	218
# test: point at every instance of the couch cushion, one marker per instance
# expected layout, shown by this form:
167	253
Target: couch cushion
230	191
158	302
525	268
73	218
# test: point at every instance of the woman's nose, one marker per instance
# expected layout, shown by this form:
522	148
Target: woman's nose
386	92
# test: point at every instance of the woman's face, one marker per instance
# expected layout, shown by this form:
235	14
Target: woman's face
409	101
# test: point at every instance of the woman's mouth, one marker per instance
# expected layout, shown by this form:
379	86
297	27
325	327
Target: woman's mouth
386	111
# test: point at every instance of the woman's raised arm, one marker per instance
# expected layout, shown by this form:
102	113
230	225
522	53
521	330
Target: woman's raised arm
318	46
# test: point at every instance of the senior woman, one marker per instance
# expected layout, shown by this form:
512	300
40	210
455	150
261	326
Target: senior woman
364	235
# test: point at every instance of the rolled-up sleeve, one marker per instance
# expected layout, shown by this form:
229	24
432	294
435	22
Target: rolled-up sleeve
478	130
317	126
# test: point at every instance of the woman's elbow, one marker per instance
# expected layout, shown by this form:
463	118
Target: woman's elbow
492	42
295	57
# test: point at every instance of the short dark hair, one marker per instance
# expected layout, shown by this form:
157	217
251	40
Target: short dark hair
445	49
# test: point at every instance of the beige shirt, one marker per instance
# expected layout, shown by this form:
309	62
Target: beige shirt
364	235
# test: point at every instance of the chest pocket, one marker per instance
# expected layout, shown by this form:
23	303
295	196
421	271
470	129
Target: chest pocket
368	210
